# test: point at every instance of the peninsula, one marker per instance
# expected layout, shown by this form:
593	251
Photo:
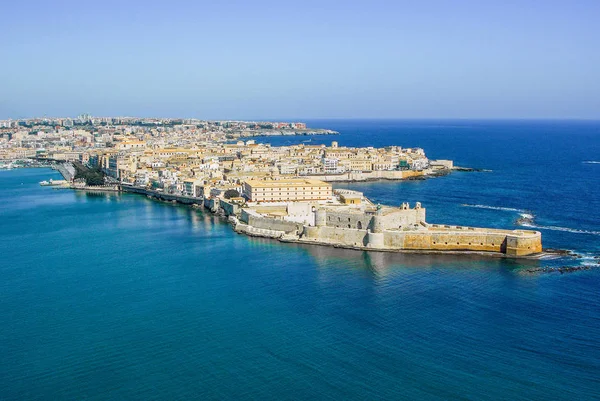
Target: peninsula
280	192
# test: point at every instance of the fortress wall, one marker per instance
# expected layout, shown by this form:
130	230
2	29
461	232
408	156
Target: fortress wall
274	224
481	241
266	223
424	240
245	216
341	236
439	238
229	208
403	218
300	212
518	245
484	241
489	242
391	220
258	232
311	232
343	220
211	204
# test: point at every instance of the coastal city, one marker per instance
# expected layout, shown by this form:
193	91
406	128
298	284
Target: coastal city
188	156
300	200
279	192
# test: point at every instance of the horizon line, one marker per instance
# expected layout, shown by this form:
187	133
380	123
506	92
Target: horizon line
301	119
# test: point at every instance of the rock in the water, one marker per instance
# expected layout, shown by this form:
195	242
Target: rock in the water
562	252
558	269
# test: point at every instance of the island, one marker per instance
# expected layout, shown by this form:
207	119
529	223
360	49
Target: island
279	192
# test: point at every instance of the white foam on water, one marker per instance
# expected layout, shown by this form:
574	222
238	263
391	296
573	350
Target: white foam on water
549	257
591	162
528	217
565	229
589	257
506	209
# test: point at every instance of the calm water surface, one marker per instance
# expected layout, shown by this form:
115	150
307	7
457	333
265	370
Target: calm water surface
120	297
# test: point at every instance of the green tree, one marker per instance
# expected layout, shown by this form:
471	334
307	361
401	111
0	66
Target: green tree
231	193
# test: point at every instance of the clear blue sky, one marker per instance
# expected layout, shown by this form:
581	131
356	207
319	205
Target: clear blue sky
301	59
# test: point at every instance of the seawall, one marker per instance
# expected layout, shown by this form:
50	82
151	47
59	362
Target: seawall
186	200
431	238
513	243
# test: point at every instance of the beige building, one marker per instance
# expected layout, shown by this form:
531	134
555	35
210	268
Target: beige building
131	145
286	190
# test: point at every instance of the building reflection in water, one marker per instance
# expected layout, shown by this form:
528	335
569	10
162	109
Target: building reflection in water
382	264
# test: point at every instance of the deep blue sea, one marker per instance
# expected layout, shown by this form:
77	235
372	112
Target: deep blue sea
120	297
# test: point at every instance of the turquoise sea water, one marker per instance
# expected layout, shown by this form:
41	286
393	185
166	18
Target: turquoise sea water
120	297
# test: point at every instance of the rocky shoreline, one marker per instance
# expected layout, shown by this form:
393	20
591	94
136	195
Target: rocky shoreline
471	170
560	269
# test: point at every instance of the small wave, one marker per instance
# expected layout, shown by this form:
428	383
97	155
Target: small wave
506	209
565	229
526	220
591	162
549	257
589	259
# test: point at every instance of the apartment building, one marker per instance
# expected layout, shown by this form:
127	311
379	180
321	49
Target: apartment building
289	190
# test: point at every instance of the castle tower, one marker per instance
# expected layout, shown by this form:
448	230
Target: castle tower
375	237
378	221
320	218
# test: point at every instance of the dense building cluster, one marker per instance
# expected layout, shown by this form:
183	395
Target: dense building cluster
281	192
201	158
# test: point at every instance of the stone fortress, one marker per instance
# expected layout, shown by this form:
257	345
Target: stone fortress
350	220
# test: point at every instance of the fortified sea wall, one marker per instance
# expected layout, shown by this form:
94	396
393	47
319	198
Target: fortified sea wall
407	230
389	218
389	229
266	223
513	243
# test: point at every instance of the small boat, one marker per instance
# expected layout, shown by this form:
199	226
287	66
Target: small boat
53	182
